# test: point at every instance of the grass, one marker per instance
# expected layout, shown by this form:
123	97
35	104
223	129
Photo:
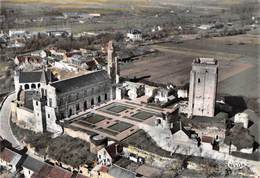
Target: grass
109	132
120	126
94	119
71	151
114	108
142	115
117	108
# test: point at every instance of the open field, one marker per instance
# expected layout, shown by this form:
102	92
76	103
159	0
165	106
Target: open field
237	58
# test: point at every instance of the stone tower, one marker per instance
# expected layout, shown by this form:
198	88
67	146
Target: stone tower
39	114
203	87
112	64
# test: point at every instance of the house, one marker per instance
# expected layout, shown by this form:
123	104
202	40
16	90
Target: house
39	53
16	33
10	159
58	33
106	156
134	35
240	140
32	166
163	95
206	142
34	60
183	136
119	172
57	52
150	90
134	90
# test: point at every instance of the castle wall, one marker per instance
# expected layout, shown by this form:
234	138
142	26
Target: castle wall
26	118
77	134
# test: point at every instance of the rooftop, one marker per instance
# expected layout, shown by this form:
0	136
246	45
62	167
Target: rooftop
33	164
118	172
209	61
70	84
9	155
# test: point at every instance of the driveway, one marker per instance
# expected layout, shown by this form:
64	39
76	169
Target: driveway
5	128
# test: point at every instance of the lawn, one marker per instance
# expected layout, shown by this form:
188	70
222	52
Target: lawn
120	126
142	115
94	119
117	108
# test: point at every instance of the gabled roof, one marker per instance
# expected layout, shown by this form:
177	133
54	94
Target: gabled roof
36	76
30	77
59	172
33	164
177	127
112	150
118	172
10	156
70	84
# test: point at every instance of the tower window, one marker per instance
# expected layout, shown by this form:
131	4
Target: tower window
198	80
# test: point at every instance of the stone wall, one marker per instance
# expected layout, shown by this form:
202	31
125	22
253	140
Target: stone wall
77	134
26	116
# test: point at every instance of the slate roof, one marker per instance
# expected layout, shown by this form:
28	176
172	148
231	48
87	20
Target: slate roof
30	77
118	172
70	84
240	137
177	127
33	164
37	76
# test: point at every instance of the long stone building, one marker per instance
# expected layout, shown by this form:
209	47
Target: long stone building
203	87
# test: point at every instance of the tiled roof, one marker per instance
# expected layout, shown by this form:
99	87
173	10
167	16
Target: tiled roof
59	172
207	139
81	176
7	155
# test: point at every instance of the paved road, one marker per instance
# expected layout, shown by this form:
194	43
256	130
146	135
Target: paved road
5	129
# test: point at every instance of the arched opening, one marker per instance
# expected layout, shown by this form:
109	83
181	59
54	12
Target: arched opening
99	99
105	96
198	80
33	86
92	101
77	107
26	86
70	112
85	105
39	85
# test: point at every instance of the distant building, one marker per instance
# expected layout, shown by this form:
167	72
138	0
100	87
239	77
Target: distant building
203	87
10	159
134	35
106	156
134	90
58	33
